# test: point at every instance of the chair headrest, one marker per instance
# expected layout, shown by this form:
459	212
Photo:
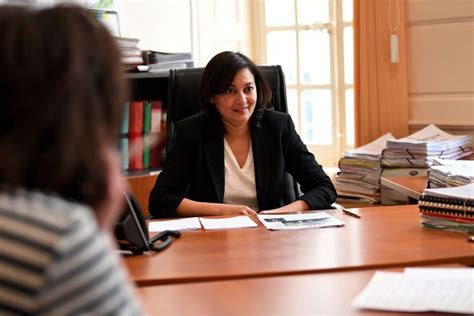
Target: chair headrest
184	84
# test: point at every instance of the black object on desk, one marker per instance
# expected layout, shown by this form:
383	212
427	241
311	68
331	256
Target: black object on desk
344	211
131	231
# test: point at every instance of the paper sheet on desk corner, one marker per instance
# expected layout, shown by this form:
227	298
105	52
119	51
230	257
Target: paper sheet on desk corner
175	224
298	221
226	223
418	292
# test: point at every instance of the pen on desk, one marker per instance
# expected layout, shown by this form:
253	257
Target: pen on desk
350	213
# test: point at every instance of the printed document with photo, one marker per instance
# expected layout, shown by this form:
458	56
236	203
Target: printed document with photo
298	221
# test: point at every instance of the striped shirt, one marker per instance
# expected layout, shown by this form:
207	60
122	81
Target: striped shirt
54	260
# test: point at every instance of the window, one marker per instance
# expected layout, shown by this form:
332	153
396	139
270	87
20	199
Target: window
313	42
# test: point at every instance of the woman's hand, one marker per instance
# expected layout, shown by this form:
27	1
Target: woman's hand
280	210
229	209
297	206
189	207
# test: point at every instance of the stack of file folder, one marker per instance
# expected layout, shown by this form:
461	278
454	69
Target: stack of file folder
449	209
421	148
159	61
359	178
450	173
131	55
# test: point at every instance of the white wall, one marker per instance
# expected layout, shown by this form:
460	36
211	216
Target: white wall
203	27
162	25
440	44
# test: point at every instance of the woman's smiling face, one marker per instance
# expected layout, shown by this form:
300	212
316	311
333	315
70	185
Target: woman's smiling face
237	103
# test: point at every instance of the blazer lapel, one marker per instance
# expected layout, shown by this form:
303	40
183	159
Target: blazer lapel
261	162
213	145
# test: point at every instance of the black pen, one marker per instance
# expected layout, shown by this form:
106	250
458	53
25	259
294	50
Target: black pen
350	213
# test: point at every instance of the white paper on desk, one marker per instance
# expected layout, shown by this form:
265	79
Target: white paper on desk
175	224
438	273
226	223
298	221
396	292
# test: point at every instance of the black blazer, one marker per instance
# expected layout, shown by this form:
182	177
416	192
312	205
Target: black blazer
195	165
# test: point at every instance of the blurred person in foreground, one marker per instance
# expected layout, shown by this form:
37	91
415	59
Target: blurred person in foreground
62	93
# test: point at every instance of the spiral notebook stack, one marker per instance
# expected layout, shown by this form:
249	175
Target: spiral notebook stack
449	209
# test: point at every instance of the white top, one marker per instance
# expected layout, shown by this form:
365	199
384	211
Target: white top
239	182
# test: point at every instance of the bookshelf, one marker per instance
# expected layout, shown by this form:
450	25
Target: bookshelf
149	86
146	86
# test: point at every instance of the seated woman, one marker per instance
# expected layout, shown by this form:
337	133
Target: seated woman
61	187
232	158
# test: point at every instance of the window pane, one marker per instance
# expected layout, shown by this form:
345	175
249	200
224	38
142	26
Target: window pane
347	10
316	117
315	62
292	99
311	11
279	12
349	55
350	117
281	50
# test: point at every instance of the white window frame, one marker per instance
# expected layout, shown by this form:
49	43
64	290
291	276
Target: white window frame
327	155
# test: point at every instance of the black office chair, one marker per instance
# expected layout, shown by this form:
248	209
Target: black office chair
183	101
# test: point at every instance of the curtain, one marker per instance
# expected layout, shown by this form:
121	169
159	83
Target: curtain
380	87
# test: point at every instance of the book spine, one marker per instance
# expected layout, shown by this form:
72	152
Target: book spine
123	148
146	117
135	150
135	118
146	154
125	119
156	107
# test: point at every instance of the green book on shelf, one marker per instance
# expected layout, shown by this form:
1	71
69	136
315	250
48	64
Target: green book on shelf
146	117
146	154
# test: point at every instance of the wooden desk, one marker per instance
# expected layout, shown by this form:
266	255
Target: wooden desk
412	186
313	294
384	237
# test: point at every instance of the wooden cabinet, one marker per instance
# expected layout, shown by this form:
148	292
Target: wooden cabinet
141	186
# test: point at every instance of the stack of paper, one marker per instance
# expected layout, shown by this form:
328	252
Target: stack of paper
420	290
359	178
191	223
421	148
449	209
450	173
131	54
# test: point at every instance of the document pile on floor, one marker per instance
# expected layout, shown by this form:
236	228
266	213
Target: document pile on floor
420	149
359	178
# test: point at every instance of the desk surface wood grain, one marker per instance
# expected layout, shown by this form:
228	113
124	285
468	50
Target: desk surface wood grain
411	186
313	294
384	237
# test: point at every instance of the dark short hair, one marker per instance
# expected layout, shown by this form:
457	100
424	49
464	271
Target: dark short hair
62	93
219	74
